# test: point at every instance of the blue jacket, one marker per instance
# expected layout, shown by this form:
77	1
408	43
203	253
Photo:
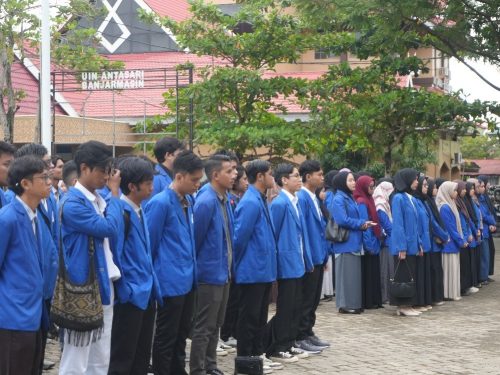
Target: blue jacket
424	225
254	240
79	222
294	258
404	235
457	239
3	200
315	228
346	214
132	255
49	220
329	206
21	270
488	218
437	232
210	238
466	228
8	196
161	181
475	226
172	243
371	243
386	225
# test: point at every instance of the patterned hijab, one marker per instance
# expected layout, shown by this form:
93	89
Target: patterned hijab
381	197
444	197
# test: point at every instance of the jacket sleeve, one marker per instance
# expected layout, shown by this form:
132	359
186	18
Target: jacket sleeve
385	222
451	225
437	231
369	238
203	214
398	235
7	228
487	216
156	213
341	216
247	215
277	210
84	219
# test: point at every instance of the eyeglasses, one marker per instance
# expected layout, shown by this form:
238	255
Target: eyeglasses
296	175
45	177
371	187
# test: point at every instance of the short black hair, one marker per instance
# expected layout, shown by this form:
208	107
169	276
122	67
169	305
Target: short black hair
282	170
187	162
166	145
254	167
309	167
24	167
7	148
329	179
214	164
93	154
55	158
68	169
34	149
135	170
231	154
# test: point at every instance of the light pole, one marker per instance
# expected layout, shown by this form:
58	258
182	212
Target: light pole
45	117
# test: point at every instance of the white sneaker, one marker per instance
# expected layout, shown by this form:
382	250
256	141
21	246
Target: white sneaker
407	312
473	290
220	352
267	370
457	298
283	357
273	365
225	347
299	353
231	342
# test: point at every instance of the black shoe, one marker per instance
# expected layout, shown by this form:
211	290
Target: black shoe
485	282
215	371
47	365
349	311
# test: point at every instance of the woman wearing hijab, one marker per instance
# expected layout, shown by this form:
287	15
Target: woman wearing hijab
424	290
466	285
445	200
370	262
382	203
405	242
491	209
327	289
477	228
348	293
439	236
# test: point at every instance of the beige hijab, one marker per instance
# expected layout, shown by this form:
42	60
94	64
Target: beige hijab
381	197
444	197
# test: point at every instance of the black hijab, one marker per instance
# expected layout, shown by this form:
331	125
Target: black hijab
329	179
340	182
431	202
439	181
486	179
418	192
469	203
403	180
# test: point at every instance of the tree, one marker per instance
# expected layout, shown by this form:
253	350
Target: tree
19	33
365	110
237	105
459	28
480	147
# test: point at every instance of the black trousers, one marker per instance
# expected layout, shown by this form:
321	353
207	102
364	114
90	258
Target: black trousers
437	287
131	339
312	283
281	330
465	270
474	267
492	255
229	327
20	352
252	318
372	288
424	280
44	334
173	325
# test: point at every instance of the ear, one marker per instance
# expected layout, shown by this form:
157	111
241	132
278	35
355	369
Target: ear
131	187
26	184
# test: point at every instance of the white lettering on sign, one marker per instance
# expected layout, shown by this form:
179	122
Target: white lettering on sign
112	80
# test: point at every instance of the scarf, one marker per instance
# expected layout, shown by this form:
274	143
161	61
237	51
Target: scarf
340	182
403	180
460	201
381	197
469	186
444	197
362	195
431	202
489	203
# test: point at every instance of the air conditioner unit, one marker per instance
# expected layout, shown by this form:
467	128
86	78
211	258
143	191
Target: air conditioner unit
457	158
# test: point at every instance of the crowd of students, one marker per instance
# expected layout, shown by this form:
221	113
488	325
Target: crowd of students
169	258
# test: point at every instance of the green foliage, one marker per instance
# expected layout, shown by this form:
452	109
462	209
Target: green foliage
480	147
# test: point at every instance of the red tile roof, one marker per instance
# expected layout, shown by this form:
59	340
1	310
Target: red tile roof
489	167
178	10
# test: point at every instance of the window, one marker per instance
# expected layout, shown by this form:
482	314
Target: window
321	54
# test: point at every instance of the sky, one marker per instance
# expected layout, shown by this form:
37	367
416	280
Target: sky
463	78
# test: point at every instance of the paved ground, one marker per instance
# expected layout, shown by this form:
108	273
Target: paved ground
457	338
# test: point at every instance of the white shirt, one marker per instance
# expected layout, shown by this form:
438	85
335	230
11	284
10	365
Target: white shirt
136	208
56	193
294	199
31	214
314	199
100	206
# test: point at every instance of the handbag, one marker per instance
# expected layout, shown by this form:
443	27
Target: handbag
402	289
248	365
77	307
336	233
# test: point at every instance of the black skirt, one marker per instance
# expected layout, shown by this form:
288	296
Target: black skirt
474	267
372	289
402	274
423	279
465	270
477	262
492	254
437	287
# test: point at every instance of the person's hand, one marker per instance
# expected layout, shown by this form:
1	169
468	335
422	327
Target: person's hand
402	255
420	253
470	239
114	182
478	234
493	228
465	245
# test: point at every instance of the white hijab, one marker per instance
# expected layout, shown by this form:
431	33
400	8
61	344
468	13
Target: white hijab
381	197
444	197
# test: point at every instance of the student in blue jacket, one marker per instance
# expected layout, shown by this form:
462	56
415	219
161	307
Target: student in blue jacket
489	227
85	216
370	261
294	260
405	241
137	290
169	217
213	229
477	225
491	208
56	173
382	203
22	311
312	283
254	258
6	156
439	237
166	150
445	200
